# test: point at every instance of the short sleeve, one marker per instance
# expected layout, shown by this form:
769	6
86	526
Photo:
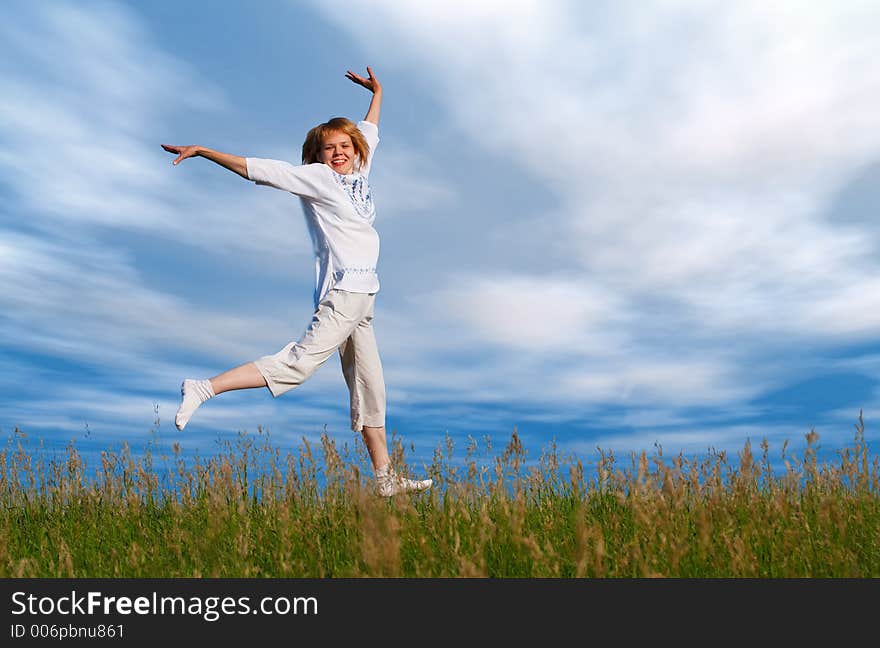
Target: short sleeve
371	134
305	180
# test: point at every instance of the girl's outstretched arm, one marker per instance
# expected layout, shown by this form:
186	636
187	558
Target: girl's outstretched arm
372	84
232	162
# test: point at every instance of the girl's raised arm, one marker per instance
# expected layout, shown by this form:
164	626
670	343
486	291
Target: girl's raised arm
372	84
232	162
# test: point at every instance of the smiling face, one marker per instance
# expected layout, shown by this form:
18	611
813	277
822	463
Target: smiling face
338	152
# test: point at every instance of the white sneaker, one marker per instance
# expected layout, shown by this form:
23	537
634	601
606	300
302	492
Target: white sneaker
390	483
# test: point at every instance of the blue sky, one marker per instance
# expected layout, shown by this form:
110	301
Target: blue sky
615	224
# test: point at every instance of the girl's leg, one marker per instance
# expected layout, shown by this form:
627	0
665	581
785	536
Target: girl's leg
362	369
245	376
195	392
377	446
286	369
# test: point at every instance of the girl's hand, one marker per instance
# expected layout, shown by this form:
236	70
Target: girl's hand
182	152
372	84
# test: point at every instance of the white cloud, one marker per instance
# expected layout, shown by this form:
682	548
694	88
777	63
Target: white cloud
401	189
538	314
690	152
671	381
87	85
88	94
694	149
82	114
77	302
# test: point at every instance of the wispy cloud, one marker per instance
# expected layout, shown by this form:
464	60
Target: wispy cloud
88	85
694	151
84	112
616	212
88	303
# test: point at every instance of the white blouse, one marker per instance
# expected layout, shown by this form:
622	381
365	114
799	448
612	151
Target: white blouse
339	213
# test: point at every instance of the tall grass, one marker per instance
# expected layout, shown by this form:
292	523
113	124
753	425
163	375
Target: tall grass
251	511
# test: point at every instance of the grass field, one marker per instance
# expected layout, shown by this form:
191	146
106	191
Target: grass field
251	511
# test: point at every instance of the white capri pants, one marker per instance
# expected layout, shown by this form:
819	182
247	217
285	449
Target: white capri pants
343	321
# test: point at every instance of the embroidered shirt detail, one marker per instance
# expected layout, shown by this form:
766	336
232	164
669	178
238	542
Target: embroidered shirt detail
357	188
355	271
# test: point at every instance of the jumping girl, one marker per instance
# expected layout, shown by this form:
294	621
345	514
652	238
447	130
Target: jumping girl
333	187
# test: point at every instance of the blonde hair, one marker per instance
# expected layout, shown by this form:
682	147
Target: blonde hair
311	150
